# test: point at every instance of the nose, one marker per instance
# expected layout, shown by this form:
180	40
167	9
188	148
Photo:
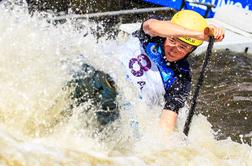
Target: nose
174	49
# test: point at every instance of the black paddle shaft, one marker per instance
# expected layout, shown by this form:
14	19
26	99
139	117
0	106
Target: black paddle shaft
198	85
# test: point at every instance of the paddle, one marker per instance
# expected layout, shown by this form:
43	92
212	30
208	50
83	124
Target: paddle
209	32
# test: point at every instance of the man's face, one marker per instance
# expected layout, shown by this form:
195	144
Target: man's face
176	49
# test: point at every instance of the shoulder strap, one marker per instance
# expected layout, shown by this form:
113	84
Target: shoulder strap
155	53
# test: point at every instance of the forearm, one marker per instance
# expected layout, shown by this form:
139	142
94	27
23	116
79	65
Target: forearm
168	120
155	27
165	29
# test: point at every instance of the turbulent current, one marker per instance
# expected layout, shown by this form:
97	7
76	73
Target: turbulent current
38	59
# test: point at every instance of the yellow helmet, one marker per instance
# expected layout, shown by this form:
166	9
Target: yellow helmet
190	20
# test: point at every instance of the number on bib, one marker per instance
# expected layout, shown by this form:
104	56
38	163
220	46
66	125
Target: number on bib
139	65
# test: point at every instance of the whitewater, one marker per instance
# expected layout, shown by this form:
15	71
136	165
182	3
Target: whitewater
38	58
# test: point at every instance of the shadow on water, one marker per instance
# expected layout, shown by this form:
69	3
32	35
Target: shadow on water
226	95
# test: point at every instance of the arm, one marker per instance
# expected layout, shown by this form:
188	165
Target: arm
175	99
168	120
160	28
164	29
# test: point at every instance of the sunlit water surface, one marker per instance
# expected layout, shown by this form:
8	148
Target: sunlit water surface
38	59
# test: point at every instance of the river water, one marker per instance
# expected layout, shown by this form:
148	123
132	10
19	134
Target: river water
38	59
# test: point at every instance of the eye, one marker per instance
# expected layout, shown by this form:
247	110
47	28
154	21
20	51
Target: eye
172	40
182	47
187	48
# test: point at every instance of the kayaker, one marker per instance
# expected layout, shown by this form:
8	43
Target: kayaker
160	66
156	63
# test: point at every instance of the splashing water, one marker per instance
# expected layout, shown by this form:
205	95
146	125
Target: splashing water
38	59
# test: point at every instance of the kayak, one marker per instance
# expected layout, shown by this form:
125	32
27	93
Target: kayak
98	92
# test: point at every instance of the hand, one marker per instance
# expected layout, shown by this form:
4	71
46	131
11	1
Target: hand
216	32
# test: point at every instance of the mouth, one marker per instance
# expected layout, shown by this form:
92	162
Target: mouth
170	57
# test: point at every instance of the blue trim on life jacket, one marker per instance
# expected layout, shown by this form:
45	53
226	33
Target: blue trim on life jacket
155	53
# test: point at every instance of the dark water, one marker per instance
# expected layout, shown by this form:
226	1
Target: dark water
106	25
86	6
226	95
